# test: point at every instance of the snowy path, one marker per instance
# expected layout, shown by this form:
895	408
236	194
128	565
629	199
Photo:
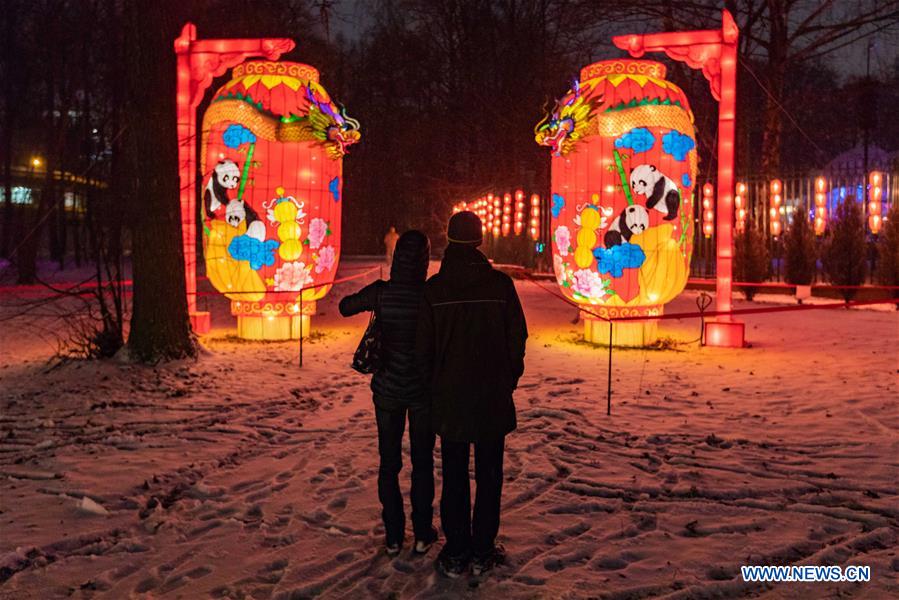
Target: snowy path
241	476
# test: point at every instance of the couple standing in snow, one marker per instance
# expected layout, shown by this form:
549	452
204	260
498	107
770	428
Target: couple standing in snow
453	351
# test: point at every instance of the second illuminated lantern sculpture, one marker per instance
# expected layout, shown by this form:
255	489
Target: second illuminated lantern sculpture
271	152
623	171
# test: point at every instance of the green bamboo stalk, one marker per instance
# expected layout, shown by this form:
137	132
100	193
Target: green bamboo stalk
623	176
246	171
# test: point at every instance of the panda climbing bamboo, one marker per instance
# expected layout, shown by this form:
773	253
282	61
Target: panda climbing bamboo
661	192
225	176
632	220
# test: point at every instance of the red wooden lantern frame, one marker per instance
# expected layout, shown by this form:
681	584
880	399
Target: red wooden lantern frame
199	61
714	51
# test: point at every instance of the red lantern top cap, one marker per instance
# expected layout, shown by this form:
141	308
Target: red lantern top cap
623	66
281	88
283	68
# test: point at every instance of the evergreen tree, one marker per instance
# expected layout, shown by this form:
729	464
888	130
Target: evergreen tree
843	256
751	260
888	251
799	247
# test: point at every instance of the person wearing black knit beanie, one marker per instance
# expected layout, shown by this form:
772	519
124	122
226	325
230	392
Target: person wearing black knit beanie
470	347
465	228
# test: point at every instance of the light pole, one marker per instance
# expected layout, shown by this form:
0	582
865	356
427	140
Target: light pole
867	115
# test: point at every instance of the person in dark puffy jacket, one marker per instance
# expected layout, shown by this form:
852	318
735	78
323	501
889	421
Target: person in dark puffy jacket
470	344
399	391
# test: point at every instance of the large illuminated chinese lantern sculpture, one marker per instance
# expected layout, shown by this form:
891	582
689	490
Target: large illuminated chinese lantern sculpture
272	145
623	171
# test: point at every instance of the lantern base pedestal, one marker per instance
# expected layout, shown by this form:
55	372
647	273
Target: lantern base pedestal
628	334
200	322
272	328
725	334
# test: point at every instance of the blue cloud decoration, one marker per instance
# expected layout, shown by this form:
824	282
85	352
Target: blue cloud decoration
638	139
677	144
235	135
613	261
334	188
558	205
259	254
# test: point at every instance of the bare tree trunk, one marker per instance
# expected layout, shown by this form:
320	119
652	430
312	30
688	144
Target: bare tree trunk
773	120
159	324
62	232
29	246
7	174
76	237
778	48
8	124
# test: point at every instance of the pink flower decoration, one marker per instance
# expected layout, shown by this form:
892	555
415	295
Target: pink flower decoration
292	277
318	229
563	239
589	284
559	268
325	259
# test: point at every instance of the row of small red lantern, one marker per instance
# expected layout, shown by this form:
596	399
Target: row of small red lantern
497	213
775	187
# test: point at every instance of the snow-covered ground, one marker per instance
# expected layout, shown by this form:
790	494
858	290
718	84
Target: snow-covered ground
241	475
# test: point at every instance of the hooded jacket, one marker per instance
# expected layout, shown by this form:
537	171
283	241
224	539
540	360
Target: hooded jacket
398	384
470	346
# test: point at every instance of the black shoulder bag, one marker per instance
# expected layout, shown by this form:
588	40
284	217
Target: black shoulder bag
368	357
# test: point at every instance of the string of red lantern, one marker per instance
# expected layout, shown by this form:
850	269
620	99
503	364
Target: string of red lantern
535	216
519	212
507	214
740	206
708	212
820	205
875	179
775	200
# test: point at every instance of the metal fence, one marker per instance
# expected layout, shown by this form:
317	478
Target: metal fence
798	193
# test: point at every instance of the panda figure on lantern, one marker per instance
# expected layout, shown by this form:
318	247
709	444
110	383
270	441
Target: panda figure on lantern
225	176
624	164
661	193
272	149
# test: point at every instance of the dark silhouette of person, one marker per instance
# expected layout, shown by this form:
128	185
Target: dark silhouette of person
471	342
399	392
